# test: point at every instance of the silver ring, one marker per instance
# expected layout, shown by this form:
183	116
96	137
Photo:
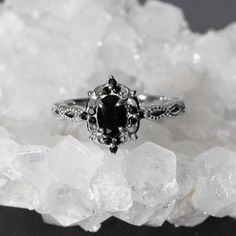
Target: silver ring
113	112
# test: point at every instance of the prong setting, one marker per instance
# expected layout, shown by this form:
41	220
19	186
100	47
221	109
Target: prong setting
133	92
92	94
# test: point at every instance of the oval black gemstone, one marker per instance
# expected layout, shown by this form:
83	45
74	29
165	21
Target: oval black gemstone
111	117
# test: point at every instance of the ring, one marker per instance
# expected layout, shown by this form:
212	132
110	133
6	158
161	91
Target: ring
113	112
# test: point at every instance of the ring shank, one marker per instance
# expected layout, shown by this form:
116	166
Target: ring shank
167	107
74	102
143	99
157	107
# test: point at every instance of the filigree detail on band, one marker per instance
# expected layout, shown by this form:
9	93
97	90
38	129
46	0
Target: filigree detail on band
66	112
171	108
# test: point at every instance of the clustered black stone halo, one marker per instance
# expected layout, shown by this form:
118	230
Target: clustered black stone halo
113	112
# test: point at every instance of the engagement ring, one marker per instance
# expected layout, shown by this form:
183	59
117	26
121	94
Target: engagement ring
113	112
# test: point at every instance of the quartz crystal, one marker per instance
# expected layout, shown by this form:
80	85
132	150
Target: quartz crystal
180	170
215	191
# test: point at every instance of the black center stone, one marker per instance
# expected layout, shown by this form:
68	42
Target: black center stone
111	117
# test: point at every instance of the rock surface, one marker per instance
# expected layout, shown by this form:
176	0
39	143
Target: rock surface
54	50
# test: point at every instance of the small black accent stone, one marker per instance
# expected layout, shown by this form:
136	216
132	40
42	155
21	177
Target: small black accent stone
84	115
112	81
106	90
133	110
70	114
141	114
57	112
118	141
92	120
117	89
132	120
114	149
107	141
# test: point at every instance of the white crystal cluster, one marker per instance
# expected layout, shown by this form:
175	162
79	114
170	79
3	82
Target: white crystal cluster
59	49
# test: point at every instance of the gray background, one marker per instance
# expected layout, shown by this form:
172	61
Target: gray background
202	15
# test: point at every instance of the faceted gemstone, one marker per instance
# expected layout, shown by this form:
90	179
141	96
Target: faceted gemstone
141	115
114	149
132	120
111	117
118	141
117	89
133	109
92	120
106	90
112	82
84	116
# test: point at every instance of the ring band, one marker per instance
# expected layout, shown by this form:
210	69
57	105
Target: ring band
113	112
168	107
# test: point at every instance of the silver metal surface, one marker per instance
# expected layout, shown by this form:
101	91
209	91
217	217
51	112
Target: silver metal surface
114	123
149	105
